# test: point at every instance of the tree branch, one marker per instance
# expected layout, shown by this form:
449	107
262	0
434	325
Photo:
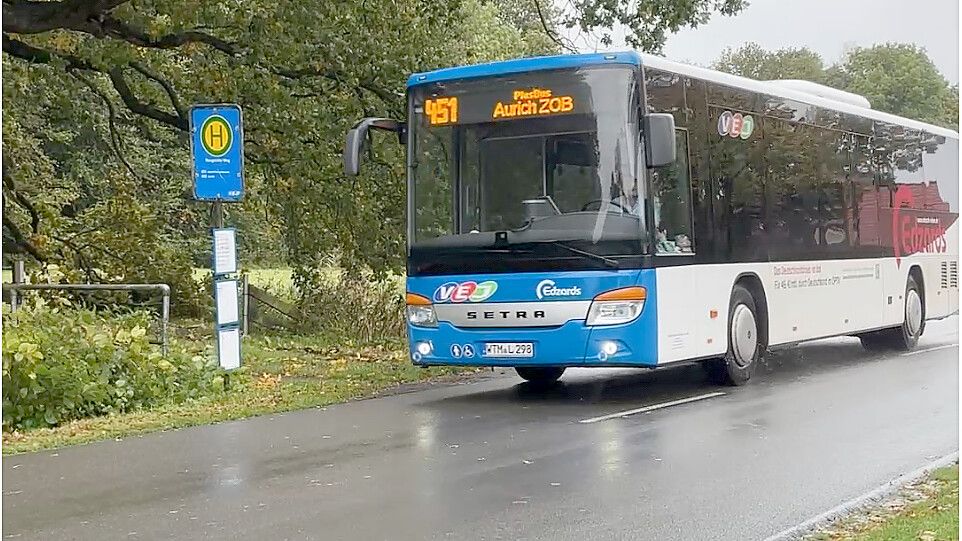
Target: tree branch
550	33
116	75
165	84
79	249
11	187
21	241
117	29
340	78
36	55
115	138
94	17
32	17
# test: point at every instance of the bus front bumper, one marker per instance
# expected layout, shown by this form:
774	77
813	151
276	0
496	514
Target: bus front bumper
572	344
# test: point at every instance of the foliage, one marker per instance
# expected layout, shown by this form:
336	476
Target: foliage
96	97
896	78
108	131
752	61
899	79
71	202
64	364
646	23
355	305
280	373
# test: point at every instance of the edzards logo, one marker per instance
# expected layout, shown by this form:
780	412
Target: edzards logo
465	291
547	288
913	233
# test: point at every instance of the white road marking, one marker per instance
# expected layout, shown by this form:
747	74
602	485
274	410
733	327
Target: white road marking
926	350
652	407
873	496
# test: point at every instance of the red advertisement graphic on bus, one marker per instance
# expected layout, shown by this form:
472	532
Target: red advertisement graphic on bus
918	226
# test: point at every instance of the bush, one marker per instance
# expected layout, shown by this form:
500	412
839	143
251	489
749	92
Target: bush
355	305
65	364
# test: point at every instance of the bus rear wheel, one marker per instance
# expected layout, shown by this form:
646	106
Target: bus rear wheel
541	375
906	336
744	344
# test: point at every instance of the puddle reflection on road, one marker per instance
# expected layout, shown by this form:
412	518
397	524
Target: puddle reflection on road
616	387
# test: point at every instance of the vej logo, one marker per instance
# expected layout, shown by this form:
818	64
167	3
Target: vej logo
547	288
465	291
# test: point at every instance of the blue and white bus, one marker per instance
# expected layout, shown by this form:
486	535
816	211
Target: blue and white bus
624	210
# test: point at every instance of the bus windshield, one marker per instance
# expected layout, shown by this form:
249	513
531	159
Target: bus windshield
544	162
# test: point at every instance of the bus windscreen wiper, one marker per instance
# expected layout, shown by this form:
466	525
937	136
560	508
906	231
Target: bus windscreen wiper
607	261
501	241
526	248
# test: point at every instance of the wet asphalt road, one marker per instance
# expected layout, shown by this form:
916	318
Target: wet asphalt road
820	424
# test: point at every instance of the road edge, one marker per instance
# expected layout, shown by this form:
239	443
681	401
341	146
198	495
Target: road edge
859	502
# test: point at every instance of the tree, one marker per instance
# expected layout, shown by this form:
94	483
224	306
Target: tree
900	79
752	61
647	23
950	108
96	96
896	78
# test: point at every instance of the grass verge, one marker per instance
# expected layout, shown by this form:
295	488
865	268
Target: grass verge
280	373
924	511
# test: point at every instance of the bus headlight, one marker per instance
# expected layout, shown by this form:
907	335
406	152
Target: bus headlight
617	306
424	348
420	311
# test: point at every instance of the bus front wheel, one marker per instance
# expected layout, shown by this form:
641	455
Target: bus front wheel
541	375
744	344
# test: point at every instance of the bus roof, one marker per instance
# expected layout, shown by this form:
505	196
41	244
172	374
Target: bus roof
774	89
634	58
522	65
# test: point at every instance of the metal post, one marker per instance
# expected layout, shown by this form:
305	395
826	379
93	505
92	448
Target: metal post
19	274
19	277
164	317
217	214
245	303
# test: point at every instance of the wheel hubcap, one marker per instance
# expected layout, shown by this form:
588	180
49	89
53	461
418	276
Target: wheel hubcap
744	336
913	312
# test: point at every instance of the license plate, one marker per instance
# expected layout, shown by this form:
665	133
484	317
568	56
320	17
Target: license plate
509	349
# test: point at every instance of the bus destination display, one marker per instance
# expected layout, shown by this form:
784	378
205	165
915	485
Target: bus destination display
498	105
534	102
441	111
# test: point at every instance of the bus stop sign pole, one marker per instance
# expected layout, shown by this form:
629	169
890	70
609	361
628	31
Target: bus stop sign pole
217	159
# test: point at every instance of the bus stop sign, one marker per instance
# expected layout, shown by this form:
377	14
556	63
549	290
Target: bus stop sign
217	151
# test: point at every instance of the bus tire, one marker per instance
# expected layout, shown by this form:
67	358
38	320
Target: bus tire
906	336
744	346
540	375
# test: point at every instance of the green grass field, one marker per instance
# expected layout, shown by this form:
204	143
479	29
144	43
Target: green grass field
932	517
273	279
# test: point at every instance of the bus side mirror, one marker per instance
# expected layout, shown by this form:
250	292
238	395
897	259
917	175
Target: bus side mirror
660	140
358	135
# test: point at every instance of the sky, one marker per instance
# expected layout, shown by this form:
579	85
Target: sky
776	24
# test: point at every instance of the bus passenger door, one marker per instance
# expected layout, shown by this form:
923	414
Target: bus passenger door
671	221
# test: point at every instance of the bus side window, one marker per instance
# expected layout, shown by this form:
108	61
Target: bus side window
671	197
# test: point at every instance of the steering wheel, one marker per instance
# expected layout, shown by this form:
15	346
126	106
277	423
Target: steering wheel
600	201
